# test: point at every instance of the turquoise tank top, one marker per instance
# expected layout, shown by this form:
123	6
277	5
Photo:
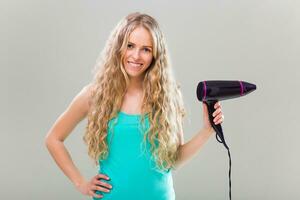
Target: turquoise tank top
130	165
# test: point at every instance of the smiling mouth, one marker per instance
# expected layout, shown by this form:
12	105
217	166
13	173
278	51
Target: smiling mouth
134	64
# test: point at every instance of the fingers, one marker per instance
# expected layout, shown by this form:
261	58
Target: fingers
99	176
219	119
93	194
217	105
217	114
103	184
103	189
97	180
96	185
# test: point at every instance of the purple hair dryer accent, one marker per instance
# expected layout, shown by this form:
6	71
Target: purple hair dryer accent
212	91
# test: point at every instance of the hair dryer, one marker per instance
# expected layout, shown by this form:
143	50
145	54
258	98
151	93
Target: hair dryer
212	91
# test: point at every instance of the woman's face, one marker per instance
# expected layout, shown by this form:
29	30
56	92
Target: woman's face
138	55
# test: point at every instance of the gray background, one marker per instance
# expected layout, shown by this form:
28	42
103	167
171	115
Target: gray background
47	52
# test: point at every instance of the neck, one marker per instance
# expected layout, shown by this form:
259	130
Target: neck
135	86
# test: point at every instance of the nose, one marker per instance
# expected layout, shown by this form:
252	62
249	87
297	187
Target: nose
136	54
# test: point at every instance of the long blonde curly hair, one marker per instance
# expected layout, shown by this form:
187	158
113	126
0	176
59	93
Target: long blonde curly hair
162	99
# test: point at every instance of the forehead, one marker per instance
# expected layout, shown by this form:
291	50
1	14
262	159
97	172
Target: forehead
141	36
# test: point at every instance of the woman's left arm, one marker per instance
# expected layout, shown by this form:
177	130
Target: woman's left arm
191	148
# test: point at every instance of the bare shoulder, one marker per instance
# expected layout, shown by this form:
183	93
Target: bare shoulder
84	98
76	111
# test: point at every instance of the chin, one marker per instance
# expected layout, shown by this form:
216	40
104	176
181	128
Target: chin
135	73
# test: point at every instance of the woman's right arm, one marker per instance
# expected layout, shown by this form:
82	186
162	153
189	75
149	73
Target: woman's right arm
63	126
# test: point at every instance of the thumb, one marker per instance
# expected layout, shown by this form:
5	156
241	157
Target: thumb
205	110
204	106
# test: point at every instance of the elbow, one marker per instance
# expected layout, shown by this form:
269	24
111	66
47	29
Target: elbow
50	140
47	141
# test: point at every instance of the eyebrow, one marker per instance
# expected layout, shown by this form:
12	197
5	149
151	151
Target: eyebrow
143	46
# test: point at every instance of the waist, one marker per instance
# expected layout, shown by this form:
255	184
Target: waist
138	183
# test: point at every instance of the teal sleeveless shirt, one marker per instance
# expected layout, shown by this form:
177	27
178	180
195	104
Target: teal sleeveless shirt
130	166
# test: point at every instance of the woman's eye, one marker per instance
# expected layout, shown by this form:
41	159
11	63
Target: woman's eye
129	46
147	50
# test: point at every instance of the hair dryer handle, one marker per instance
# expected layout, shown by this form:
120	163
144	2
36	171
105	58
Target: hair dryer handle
217	127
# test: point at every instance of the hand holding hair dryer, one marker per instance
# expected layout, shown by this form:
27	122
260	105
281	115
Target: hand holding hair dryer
212	91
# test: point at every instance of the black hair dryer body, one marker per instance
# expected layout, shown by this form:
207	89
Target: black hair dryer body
212	91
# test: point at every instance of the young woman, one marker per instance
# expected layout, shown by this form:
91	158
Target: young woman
135	113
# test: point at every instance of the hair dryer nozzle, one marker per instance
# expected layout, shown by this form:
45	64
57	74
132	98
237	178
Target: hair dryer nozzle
248	87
